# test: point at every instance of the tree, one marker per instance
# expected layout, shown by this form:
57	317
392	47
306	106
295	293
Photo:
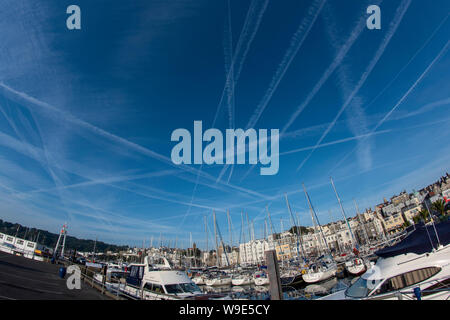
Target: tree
424	214
439	206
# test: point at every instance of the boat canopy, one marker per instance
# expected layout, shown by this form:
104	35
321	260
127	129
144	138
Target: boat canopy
418	241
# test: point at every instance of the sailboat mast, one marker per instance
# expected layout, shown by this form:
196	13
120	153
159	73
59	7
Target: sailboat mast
313	213
295	226
343	213
249	236
229	228
270	220
215	237
243	236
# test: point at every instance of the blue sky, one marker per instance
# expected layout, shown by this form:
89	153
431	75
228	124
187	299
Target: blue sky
86	115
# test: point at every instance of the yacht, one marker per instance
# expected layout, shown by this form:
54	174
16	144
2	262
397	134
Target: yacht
418	267
356	266
291	277
115	278
241	280
199	279
260	278
218	279
158	281
320	271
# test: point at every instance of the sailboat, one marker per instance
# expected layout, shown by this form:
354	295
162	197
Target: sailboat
260	278
325	267
241	280
321	270
356	267
218	279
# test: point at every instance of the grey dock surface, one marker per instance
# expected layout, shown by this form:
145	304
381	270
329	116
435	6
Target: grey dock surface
26	279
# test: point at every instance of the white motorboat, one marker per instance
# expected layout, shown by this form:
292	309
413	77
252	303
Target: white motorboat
418	267
151	281
114	278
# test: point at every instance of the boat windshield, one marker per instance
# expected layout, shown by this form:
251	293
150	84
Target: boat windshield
181	288
361	288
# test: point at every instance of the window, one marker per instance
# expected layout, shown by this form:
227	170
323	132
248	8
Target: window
19	241
137	272
173	288
157	288
407	279
361	288
1	236
30	245
9	239
148	286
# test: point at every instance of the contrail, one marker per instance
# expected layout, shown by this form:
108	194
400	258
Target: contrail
250	27
400	101
105	181
393	28
249	30
296	43
229	67
335	142
409	61
53	112
356	32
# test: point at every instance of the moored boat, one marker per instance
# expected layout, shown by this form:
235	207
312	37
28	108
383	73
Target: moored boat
356	267
417	267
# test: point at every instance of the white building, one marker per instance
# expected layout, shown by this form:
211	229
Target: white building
15	245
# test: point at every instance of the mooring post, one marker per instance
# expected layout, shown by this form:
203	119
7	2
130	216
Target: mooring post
274	275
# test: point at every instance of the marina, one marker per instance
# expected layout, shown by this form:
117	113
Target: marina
225	152
420	252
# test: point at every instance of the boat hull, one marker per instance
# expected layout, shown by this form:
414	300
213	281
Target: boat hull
261	281
218	282
314	277
356	270
241	281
